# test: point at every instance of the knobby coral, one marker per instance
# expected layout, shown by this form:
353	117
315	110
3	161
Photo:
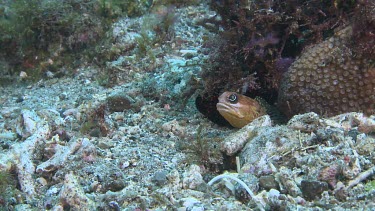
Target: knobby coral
329	79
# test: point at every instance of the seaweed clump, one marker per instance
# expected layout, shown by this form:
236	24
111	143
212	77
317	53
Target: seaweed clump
7	189
364	29
203	150
38	36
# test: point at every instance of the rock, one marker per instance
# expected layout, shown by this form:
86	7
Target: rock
240	192
119	103
266	146
287	181
192	178
73	196
8	136
191	204
305	122
29	121
341	192
268	182
160	178
330	174
105	143
10	112
174	127
273	193
312	190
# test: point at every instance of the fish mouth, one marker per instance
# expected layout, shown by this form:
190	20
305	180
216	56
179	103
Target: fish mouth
223	107
228	109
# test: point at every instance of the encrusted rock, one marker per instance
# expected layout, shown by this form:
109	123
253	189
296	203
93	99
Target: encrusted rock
286	179
352	170
305	122
192	178
8	136
191	204
240	192
119	103
73	196
174	127
268	146
341	192
29	121
8	112
329	174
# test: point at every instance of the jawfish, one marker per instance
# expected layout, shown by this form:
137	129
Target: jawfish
238	109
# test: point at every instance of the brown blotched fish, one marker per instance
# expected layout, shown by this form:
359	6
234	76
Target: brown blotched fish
238	109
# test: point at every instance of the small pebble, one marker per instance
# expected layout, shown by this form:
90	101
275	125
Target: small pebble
268	182
160	178
312	190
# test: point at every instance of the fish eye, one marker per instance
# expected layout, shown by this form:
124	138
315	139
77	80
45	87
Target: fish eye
233	98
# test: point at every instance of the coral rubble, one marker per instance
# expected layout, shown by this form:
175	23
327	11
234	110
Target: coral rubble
71	144
300	163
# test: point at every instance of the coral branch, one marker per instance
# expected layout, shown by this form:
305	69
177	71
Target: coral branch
236	141
60	157
23	153
362	176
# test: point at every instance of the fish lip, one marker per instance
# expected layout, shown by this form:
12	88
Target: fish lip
223	107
